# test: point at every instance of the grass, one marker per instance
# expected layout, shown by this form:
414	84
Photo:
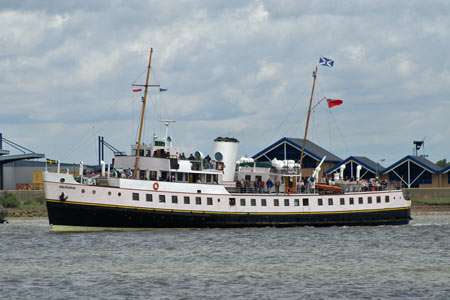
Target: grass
434	201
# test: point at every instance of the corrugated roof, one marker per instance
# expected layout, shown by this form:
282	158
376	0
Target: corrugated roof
445	170
310	148
419	160
362	160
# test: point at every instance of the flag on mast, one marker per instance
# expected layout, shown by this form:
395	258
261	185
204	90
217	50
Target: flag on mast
137	90
334	102
326	62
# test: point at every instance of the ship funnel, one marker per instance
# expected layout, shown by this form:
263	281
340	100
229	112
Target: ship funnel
103	167
199	155
226	149
81	168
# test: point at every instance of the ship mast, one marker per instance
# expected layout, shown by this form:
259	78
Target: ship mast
307	119
144	99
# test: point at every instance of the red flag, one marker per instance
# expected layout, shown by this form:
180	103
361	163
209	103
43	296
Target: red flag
334	102
137	90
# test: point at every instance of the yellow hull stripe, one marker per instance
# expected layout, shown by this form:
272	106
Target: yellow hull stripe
231	213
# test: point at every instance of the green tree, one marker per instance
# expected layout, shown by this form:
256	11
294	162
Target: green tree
443	163
10	201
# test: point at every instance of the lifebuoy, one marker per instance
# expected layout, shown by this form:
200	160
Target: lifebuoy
156	186
288	191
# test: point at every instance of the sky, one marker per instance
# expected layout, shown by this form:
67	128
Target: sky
239	69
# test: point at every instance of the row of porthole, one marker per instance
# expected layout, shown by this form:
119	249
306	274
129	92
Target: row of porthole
93	192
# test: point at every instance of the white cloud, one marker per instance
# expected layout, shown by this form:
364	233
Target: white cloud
240	68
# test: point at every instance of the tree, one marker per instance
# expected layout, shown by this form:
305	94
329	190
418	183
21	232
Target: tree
10	201
443	163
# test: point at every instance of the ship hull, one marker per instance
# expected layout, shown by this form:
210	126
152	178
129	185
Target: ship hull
72	216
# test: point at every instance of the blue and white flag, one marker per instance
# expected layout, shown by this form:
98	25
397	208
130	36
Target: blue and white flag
326	62
162	90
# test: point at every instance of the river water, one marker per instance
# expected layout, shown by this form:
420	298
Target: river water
385	262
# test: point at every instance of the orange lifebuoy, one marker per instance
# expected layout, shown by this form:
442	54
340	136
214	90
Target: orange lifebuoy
156	186
288	191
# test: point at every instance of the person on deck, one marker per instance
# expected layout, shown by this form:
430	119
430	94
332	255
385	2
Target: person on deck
277	185
269	184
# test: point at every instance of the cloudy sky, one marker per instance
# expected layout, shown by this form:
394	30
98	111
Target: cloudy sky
232	68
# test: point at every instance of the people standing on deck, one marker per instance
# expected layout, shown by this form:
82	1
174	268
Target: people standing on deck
277	185
269	184
261	186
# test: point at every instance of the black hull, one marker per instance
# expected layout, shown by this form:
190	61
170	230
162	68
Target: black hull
74	214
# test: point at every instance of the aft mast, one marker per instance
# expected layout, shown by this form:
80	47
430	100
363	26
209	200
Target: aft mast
307	119
144	100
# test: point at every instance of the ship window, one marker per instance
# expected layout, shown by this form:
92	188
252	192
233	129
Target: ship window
320	202
180	176
352	201
286	202
209	201
242	202
369	200
263	202
342	201
378	199
136	196
174	199
305	201
187	200
149	197
208	177
330	201
360	200
386	199
232	201
198	200
83	190
93	192
109	193
296	202
119	194
253	202
276	202
162	198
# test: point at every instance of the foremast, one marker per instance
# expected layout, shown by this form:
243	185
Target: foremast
144	100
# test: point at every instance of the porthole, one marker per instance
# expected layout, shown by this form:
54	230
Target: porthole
119	194
109	193
83	190
62	180
93	192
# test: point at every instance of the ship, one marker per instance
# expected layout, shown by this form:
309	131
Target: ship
156	186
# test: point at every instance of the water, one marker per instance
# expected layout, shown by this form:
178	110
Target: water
395	262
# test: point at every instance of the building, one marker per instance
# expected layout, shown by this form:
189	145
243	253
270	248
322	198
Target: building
369	168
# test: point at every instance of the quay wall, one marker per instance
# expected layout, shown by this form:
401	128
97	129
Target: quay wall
427	193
